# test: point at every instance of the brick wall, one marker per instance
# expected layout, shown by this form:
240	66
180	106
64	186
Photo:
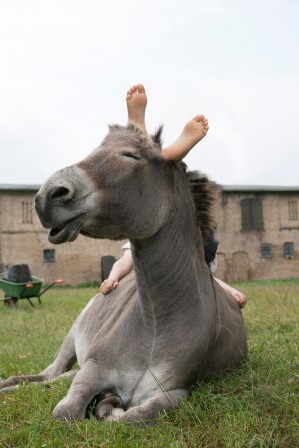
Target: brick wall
23	239
240	250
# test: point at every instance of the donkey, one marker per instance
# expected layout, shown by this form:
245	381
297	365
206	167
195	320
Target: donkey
168	324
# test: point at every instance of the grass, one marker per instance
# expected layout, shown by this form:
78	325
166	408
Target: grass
255	405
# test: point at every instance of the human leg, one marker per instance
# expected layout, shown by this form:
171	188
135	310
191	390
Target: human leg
136	105
192	133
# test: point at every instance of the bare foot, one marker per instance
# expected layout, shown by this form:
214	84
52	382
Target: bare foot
192	133
136	104
239	298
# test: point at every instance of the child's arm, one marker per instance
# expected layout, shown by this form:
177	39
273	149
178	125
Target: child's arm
120	269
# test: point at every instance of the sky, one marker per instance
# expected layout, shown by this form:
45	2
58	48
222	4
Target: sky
66	66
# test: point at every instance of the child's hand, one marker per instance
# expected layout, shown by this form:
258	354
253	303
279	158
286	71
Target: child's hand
108	285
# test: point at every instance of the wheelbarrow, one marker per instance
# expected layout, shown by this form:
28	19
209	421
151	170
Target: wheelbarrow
16	291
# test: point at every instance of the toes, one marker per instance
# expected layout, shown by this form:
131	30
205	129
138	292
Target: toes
136	88
140	88
132	90
199	118
241	304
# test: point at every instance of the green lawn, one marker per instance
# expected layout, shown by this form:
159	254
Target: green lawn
255	405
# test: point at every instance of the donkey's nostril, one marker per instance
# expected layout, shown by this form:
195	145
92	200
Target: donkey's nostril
59	193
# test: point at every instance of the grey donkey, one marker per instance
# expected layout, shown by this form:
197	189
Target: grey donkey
168	324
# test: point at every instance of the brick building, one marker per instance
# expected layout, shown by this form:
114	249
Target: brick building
24	240
258	230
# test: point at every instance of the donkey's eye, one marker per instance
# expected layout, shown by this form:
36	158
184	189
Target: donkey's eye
131	155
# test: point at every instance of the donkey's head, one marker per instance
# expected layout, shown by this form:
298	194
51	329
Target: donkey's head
123	189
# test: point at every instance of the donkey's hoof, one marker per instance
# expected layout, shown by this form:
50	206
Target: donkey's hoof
106	407
116	415
11	381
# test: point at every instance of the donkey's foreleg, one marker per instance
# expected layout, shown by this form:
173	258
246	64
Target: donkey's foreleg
87	384
148	411
67	375
64	361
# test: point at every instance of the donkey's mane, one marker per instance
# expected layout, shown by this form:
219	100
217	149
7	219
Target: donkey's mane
203	190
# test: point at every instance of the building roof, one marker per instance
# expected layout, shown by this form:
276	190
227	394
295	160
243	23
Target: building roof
259	188
19	187
226	188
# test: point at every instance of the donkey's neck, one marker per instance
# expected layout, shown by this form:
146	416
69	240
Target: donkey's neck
169	267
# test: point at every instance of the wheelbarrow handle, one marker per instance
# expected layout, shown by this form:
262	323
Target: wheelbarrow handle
50	286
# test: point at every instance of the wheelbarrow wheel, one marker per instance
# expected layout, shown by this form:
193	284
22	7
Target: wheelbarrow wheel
10	302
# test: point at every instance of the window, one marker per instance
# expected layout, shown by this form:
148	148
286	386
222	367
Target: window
49	256
293	212
266	250
252	214
288	250
27	210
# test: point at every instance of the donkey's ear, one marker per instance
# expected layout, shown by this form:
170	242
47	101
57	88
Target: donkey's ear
157	137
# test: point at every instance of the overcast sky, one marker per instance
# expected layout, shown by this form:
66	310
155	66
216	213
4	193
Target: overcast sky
66	67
